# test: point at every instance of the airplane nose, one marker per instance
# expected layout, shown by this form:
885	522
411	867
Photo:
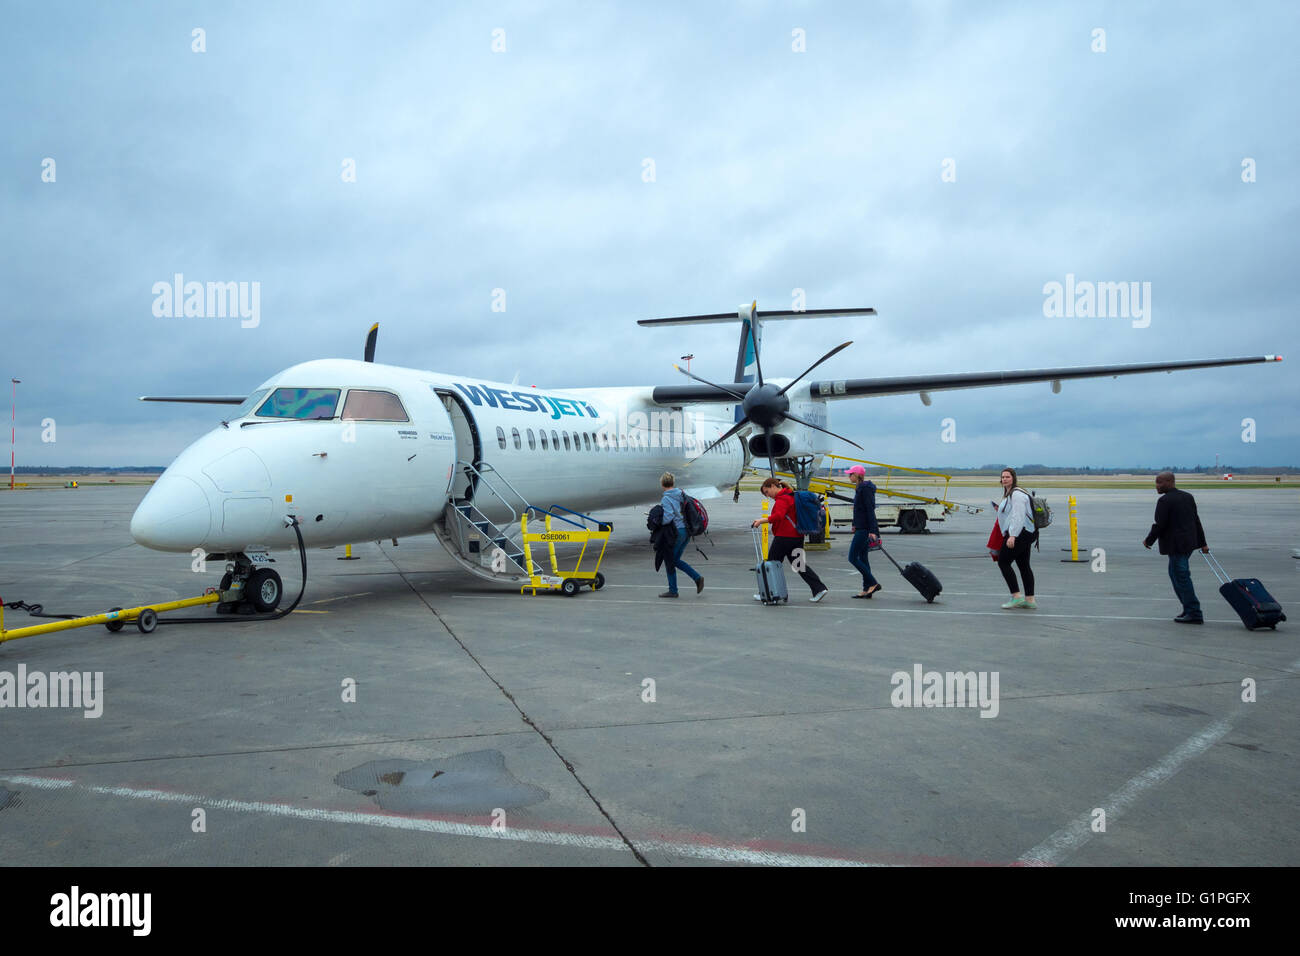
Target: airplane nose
174	515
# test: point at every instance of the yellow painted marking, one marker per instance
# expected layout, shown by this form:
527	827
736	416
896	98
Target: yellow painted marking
341	597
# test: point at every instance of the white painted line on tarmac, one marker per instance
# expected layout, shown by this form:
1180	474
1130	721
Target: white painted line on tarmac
798	602
1071	837
989	594
718	852
1075	834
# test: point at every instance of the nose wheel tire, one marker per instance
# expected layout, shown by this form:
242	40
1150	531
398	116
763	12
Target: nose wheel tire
264	590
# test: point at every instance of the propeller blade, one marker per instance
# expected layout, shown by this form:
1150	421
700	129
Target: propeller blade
796	418
721	388
735	428
371	339
753	340
767	435
838	348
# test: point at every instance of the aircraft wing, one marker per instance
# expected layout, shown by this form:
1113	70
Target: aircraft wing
862	387
197	399
866	387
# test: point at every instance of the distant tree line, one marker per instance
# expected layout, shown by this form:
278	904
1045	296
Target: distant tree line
89	470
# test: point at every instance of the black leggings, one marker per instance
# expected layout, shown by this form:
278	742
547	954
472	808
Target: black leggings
781	548
1020	555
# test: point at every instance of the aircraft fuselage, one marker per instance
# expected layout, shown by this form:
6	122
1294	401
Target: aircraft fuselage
358	467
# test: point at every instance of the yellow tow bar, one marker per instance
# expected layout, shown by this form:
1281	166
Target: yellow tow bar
145	616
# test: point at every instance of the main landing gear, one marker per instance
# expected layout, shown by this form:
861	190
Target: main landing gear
246	589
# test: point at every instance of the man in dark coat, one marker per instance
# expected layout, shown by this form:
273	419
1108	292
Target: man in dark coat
1178	529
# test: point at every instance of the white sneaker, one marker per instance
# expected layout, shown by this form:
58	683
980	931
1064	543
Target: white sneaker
819	595
758	597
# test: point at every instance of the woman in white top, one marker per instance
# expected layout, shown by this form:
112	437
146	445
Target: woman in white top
1016	519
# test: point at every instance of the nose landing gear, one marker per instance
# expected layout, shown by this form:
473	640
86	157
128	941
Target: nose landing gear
246	589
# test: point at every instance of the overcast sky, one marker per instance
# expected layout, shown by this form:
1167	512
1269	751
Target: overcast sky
775	168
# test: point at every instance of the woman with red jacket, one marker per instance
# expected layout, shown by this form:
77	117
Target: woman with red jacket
786	539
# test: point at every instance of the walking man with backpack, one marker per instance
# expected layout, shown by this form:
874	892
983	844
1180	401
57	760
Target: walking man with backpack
674	504
1178	529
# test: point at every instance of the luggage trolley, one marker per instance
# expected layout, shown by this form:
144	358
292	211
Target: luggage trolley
566	582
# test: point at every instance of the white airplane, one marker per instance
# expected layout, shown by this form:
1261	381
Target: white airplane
359	451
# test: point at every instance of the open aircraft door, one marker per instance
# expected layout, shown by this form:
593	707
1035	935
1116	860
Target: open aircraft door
469	446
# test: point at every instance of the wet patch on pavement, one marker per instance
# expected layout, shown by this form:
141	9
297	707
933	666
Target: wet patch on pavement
476	782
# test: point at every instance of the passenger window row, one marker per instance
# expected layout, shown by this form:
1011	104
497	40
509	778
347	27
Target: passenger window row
579	441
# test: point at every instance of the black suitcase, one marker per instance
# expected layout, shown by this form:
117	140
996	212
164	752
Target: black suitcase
919	576
1248	597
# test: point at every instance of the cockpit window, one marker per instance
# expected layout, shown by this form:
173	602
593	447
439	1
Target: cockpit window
304	403
249	404
373	406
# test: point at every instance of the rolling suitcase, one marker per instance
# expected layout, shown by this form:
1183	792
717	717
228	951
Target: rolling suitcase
771	576
1248	597
919	576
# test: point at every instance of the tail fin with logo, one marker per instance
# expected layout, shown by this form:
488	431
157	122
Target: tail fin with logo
751	331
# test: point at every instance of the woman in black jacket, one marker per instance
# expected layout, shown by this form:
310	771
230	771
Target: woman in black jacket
866	531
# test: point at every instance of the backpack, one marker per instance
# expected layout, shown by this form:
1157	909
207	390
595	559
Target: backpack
1041	511
693	513
809	513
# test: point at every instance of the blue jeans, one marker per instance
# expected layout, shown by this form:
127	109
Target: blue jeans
858	558
1180	574
690	572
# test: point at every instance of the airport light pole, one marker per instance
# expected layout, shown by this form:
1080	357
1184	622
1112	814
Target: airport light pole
13	426
688	361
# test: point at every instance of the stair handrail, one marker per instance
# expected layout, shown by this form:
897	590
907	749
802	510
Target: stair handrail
484	466
586	517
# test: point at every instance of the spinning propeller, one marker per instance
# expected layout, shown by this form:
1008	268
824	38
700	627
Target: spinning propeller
767	406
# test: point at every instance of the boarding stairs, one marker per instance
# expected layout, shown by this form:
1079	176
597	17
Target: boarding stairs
489	548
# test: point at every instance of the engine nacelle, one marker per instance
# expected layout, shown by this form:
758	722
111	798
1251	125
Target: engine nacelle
780	446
